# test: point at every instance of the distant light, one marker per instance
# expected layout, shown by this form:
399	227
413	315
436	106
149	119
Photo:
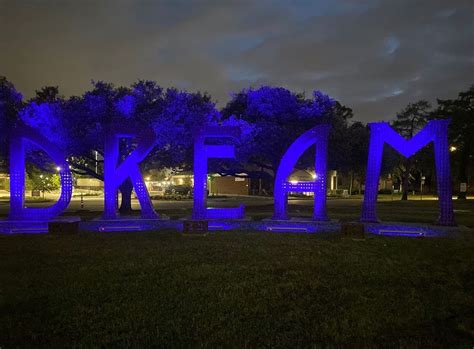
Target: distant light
58	168
147	178
294	182
314	175
41	176
452	148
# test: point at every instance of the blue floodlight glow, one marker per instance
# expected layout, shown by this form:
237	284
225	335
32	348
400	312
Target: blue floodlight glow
115	174
435	131
203	152
318	135
20	136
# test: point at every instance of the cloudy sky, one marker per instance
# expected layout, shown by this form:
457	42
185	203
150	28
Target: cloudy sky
374	56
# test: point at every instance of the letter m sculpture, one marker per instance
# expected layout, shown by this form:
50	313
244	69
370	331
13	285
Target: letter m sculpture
435	131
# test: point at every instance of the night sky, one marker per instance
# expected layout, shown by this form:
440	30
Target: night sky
374	56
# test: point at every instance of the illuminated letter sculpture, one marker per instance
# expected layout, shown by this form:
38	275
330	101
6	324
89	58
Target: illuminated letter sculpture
202	152
115	174
435	131
317	135
18	211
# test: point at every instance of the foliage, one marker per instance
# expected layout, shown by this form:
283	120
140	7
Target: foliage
273	117
408	122
78	124
270	119
11	103
461	130
41	181
182	115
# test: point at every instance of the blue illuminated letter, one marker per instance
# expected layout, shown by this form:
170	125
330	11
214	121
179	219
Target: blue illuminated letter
18	211
115	174
202	152
435	131
317	135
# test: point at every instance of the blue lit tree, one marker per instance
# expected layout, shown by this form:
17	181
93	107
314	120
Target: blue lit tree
78	125
180	115
274	118
11	102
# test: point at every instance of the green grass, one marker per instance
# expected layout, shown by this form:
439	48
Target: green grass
235	289
413	211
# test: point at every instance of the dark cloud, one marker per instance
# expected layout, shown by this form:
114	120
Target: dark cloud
375	56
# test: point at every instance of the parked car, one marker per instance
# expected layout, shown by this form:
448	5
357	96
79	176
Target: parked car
178	191
157	190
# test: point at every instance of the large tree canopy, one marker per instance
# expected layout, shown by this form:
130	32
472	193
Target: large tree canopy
270	119
461	130
11	102
408	122
78	125
274	118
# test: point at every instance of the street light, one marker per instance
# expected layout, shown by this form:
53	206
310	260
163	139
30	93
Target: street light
452	148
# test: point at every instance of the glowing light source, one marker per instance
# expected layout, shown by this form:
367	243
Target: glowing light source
452	148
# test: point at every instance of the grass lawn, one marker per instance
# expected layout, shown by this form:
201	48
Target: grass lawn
242	288
235	289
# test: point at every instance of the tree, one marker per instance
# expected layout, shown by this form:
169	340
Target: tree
275	117
461	130
11	103
40	181
47	94
356	141
78	125
408	122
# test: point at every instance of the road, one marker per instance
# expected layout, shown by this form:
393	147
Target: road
262	207
96	204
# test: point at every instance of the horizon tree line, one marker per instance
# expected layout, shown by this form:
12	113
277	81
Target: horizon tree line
270	118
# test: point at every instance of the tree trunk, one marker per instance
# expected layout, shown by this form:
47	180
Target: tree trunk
350	185
463	164
126	192
406	177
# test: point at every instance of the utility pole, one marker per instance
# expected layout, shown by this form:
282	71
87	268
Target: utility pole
422	181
